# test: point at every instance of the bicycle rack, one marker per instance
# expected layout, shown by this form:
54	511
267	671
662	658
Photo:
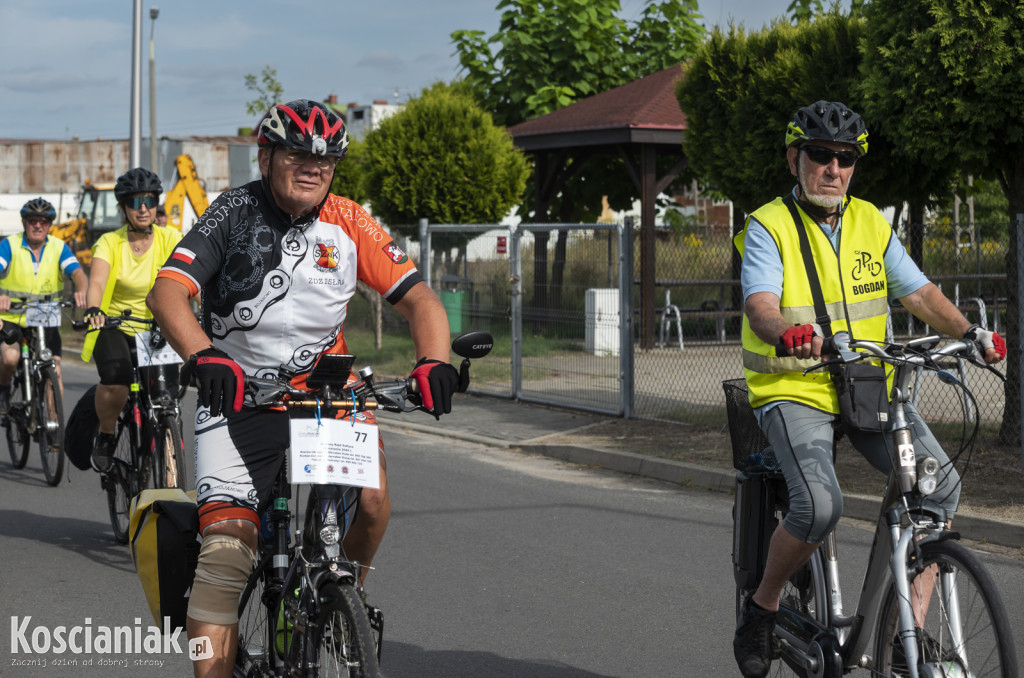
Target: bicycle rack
669	315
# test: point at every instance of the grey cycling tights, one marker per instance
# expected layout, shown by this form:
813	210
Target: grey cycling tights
802	439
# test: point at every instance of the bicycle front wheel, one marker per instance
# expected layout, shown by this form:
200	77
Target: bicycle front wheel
18	439
50	407
121	483
169	454
961	623
340	641
253	658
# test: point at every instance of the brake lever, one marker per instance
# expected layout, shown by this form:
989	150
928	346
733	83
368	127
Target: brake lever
824	364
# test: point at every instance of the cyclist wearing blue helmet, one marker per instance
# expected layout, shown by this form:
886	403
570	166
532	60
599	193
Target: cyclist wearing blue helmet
31	266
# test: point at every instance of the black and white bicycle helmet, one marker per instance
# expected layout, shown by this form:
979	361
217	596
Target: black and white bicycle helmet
38	207
138	180
305	125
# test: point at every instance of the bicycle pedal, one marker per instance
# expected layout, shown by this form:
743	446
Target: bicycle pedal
376	616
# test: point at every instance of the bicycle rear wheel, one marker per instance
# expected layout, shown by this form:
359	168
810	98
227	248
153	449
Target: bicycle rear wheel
50	432
803	610
340	641
18	439
168	454
962	627
121	483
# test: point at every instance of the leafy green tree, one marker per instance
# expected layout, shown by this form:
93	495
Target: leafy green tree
442	159
550	53
947	80
267	89
741	91
348	175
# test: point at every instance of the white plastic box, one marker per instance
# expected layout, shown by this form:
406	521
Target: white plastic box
602	321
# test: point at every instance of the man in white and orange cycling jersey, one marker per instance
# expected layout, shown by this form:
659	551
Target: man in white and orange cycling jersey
277	261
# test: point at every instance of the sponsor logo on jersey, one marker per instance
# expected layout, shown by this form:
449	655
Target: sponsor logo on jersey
395	252
327	255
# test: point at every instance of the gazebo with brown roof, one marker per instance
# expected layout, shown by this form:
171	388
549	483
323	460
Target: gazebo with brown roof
641	116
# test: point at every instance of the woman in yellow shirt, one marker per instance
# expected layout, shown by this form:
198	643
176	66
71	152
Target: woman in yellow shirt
124	266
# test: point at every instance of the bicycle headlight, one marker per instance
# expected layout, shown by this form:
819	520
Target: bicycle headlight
927	475
45	354
330	535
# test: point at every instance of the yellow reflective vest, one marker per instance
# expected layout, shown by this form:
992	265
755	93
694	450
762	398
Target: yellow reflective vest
854	287
22	279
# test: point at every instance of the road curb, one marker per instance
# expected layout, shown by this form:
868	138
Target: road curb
860	507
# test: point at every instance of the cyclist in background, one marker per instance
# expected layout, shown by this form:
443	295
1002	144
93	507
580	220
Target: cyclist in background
277	262
797	412
31	264
124	265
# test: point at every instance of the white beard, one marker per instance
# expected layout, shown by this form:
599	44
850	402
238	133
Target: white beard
826	201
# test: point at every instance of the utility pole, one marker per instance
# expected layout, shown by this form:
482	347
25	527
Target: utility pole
134	138
154	12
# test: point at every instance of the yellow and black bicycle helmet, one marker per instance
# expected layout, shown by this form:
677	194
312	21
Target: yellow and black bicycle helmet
828	121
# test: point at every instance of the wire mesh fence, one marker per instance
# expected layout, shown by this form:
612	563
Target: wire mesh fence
562	301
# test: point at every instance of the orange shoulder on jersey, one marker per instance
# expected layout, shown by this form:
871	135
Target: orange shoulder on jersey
382	263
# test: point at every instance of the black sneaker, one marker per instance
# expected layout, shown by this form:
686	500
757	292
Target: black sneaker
754	644
103	452
5	399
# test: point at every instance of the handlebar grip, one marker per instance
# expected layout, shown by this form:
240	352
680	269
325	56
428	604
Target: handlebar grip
828	347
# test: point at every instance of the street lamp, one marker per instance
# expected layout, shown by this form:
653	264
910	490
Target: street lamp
154	12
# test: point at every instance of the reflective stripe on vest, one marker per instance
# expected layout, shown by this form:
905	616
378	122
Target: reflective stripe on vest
22	278
856	276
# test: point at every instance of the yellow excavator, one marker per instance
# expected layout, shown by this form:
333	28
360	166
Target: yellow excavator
98	213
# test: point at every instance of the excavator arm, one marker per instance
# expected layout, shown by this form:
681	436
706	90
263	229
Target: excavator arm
186	186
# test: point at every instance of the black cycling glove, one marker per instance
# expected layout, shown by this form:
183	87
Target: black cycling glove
220	381
436	382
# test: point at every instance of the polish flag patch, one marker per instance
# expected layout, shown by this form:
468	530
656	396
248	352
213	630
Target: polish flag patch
182	254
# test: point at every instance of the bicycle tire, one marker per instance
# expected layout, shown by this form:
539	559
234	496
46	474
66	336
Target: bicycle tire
168	446
989	648
18	439
121	482
340	641
50	431
253	657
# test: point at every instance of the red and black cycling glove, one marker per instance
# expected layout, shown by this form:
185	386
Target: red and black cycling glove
797	336
986	339
220	381
437	381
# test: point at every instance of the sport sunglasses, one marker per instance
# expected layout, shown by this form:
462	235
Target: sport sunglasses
137	201
823	156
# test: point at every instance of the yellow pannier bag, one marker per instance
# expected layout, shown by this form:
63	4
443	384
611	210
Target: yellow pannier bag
164	539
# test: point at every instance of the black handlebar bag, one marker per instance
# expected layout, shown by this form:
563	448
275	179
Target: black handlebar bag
863	399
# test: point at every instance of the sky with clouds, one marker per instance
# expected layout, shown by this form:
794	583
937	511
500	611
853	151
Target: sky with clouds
65	65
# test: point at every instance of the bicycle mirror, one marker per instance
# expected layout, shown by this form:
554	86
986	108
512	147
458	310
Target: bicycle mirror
475	344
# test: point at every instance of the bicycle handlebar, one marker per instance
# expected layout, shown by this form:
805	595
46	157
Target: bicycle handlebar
843	349
112	321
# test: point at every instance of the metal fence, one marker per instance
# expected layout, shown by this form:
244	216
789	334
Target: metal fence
562	300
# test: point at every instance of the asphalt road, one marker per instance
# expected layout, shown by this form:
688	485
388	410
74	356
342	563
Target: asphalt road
495	564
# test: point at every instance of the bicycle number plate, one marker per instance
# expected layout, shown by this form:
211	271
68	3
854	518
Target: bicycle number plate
154	356
333	452
42	314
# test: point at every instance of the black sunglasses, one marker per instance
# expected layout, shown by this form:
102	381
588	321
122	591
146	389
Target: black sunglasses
138	201
823	156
